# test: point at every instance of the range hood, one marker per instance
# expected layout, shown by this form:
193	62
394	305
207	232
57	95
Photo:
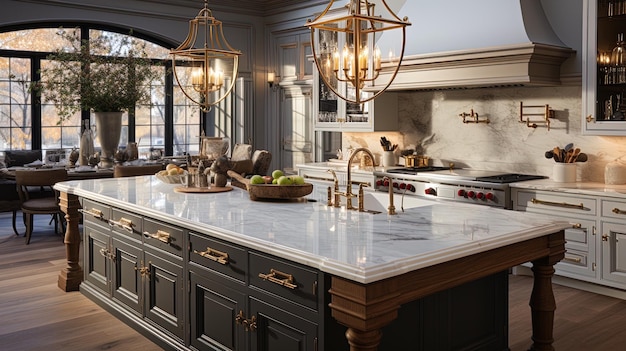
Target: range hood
486	43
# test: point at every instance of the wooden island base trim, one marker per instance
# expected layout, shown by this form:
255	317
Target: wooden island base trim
71	276
366	308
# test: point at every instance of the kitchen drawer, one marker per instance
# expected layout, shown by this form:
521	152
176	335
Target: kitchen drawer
126	223
218	256
581	236
557	204
163	236
614	209
96	213
292	282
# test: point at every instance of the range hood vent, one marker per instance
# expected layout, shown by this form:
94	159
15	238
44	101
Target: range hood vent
490	43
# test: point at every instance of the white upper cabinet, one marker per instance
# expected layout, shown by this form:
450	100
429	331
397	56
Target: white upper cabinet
334	114
604	68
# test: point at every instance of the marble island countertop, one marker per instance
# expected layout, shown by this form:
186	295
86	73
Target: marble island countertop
363	247
583	188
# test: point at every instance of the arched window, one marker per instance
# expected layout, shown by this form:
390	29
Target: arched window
170	122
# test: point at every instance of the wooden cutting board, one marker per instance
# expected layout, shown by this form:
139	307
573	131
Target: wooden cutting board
272	191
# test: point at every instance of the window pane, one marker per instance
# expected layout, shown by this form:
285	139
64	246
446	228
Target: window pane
41	40
120	43
15	112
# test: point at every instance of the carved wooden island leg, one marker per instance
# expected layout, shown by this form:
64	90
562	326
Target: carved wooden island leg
542	301
71	276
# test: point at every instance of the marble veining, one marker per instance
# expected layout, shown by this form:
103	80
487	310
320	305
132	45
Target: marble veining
429	122
358	246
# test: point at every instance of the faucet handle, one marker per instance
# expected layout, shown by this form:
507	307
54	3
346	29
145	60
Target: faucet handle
361	197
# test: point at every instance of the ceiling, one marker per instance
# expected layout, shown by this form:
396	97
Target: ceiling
251	7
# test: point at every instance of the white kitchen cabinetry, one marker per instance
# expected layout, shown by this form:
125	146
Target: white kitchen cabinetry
594	253
614	241
604	80
580	259
334	114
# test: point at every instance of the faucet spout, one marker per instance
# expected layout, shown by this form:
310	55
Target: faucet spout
348	193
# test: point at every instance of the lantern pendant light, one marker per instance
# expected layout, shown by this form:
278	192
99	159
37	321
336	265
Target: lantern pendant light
205	65
345	48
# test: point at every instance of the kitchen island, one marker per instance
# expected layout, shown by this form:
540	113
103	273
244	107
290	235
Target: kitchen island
362	268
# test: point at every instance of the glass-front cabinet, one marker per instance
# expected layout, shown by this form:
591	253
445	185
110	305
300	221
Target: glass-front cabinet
334	114
604	68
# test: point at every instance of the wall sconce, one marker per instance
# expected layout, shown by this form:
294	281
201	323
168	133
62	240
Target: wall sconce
273	80
205	65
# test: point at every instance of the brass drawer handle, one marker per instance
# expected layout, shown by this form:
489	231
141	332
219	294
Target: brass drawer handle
618	211
279	278
213	255
160	235
94	212
572	259
107	254
123	223
558	204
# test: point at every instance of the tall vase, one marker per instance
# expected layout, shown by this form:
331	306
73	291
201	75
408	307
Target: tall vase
108	130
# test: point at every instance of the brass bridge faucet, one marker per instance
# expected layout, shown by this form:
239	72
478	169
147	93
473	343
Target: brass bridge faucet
348	194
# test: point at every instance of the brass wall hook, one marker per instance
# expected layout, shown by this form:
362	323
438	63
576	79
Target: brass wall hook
474	117
546	114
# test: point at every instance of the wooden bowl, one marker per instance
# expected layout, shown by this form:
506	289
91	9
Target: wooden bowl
273	191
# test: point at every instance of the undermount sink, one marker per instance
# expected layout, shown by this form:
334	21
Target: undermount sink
379	202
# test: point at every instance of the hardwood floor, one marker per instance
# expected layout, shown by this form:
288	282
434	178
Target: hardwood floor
36	315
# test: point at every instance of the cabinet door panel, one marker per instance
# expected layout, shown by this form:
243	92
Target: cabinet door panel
165	292
127	283
279	330
614	252
214	309
97	270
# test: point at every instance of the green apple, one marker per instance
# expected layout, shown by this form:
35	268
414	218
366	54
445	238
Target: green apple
277	174
284	180
297	180
274	181
257	179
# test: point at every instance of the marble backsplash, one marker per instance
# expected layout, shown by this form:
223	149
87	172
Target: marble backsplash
430	121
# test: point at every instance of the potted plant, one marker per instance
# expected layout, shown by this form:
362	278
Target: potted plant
106	75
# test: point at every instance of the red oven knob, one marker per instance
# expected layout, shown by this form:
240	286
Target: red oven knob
386	182
402	186
430	191
480	196
379	182
471	194
395	185
410	187
489	196
461	193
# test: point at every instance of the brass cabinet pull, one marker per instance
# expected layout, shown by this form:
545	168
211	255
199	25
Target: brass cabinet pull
213	255
94	212
572	259
590	118
107	254
279	278
558	204
577	225
248	324
160	235
618	211
605	237
123	223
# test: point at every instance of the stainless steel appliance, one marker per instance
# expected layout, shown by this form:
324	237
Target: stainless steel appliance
489	188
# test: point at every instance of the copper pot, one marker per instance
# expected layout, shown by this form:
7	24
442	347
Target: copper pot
416	161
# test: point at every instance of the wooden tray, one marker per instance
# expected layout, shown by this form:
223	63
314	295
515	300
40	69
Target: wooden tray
272	191
213	189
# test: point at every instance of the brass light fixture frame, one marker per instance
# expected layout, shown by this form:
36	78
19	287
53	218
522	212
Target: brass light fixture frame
362	63
205	59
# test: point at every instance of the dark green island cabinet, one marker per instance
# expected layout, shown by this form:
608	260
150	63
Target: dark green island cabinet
191	291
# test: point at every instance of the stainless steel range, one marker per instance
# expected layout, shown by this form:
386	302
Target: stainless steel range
489	188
